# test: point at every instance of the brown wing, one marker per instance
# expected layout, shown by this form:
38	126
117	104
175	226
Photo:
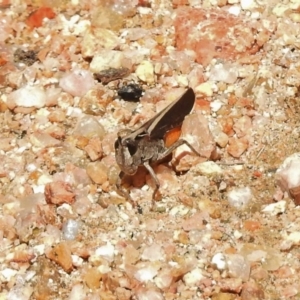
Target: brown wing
172	116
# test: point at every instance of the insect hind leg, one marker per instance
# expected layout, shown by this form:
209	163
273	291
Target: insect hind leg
156	181
176	145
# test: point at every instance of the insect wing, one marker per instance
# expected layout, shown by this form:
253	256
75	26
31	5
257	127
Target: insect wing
172	116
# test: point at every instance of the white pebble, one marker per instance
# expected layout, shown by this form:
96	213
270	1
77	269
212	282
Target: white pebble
153	253
219	261
294	237
234	10
106	251
8	273
239	197
248	4
70	229
275	208
208	168
77	261
44	179
288	174
193	277
89	127
216	105
224	72
77	292
145	274
77	83
28	96
31	167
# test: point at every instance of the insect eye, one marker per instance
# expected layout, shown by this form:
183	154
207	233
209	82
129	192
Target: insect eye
132	149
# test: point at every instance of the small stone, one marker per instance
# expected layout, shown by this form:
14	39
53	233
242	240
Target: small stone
89	127
57	115
242	126
237	147
222	139
146	273
78	292
234	10
233	285
219	260
70	229
7	274
92	277
295	194
240	197
97	171
208	168
56	131
238	266
106	59
275	208
145	72
216	105
288	177
23	254
193	277
195	130
36	18
153	253
106	251
94	149
163	279
251	225
61	254
27	96
77	83
280	9
107	16
205	88
248	4
195	222
219	30
59	193
224	72
251	291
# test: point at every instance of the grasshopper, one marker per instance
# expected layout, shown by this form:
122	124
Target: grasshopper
145	145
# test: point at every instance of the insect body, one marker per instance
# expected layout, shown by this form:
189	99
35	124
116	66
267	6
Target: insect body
145	145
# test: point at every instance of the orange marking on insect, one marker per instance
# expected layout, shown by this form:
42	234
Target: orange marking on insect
172	136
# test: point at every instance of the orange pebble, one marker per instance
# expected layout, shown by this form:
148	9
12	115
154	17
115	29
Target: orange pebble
251	225
36	18
203	104
257	174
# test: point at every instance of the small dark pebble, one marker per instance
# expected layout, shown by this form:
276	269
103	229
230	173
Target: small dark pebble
130	92
139	210
111	74
26	57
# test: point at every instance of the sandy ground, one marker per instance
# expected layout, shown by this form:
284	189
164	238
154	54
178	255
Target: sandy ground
225	224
